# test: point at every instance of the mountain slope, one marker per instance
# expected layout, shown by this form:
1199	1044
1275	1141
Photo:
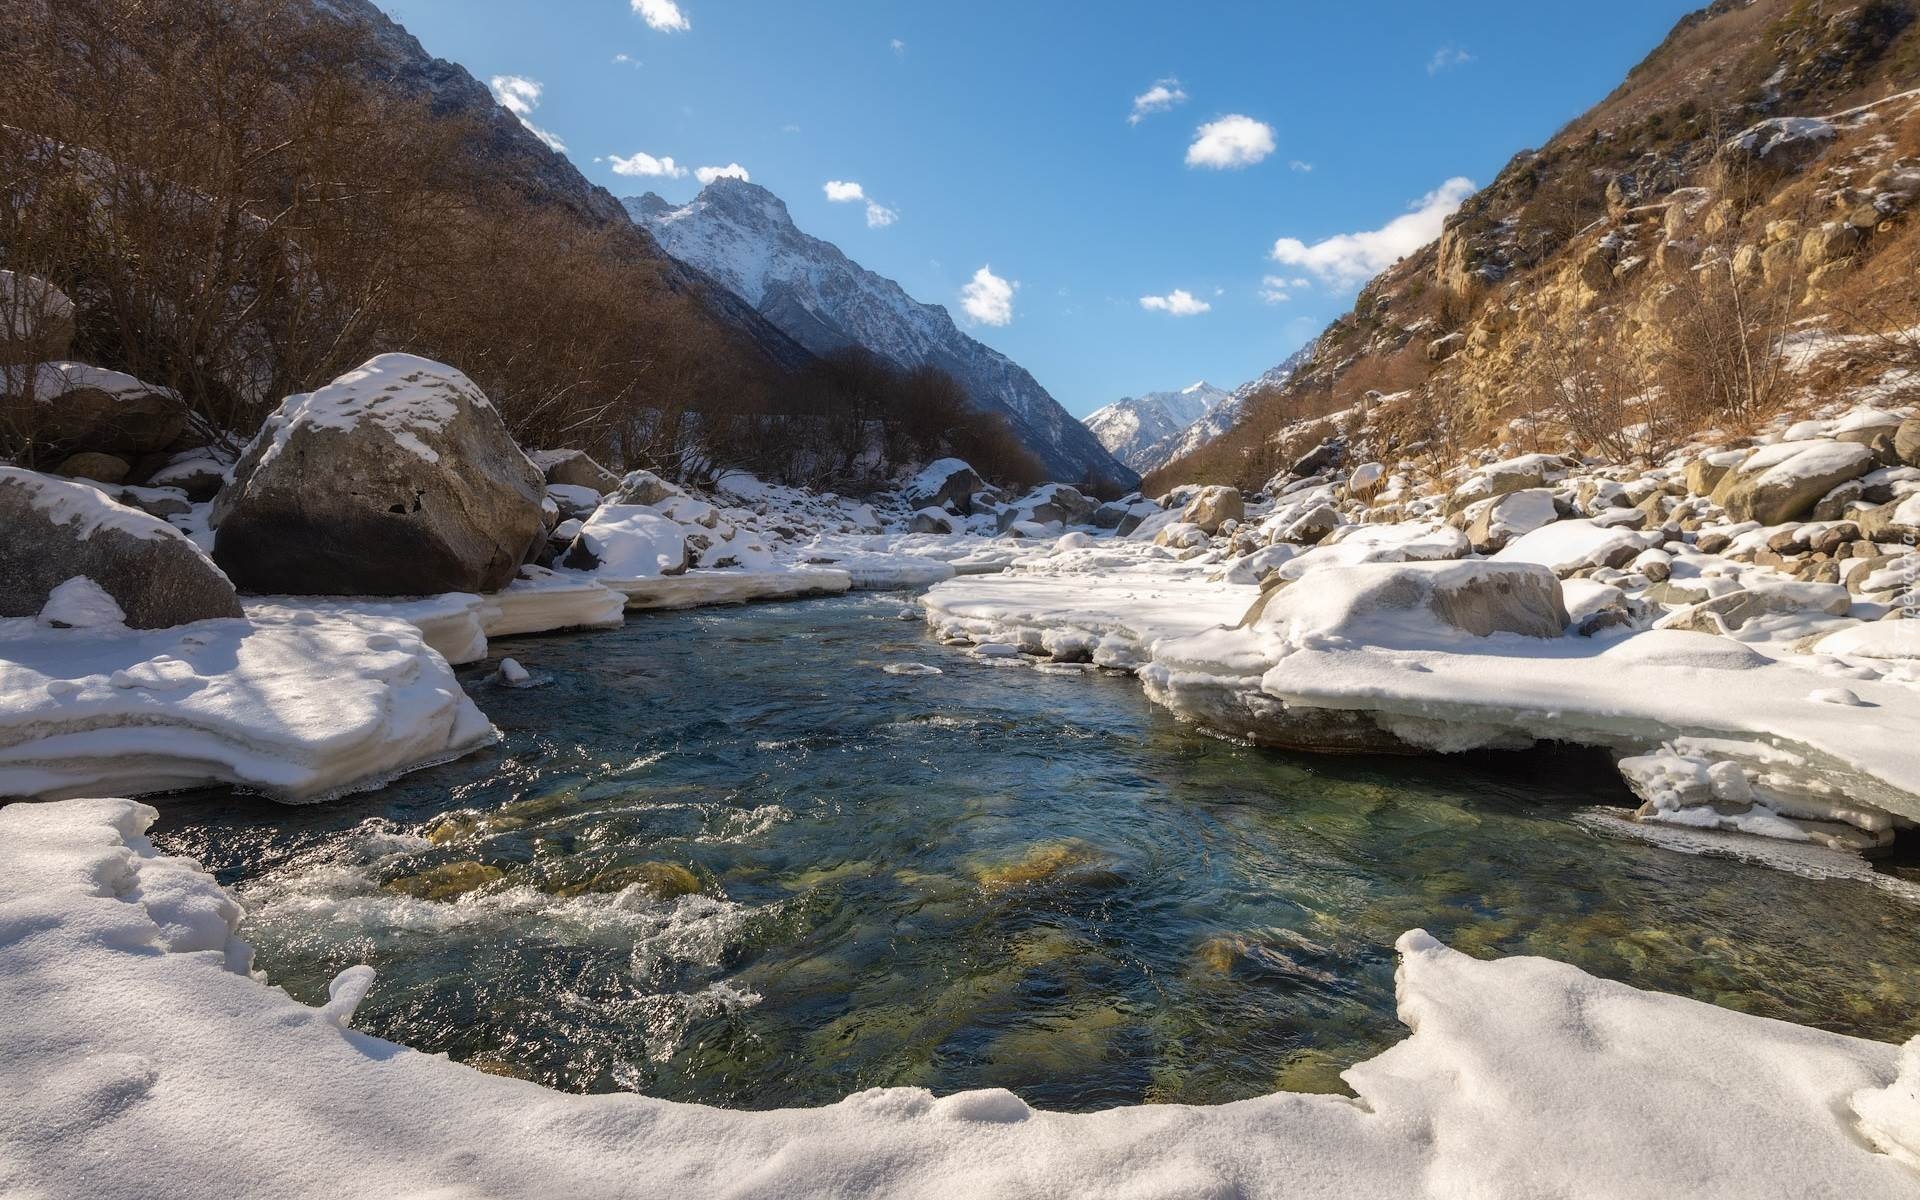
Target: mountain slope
1130	426
535	169
1222	416
1635	277
742	235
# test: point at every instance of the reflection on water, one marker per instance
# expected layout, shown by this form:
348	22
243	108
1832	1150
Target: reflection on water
727	856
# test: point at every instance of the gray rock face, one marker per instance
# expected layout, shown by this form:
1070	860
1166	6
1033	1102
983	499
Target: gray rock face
1906	441
643	487
57	531
1048	503
397	479
931	520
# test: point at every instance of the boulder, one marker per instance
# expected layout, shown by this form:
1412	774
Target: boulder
196	472
1724	614
397	479
1782	482
1705	473
90	464
1906	441
574	468
932	520
36	320
77	407
1499	521
644	487
1050	503
628	541
947	481
1311	527
1212	505
59	531
1382	604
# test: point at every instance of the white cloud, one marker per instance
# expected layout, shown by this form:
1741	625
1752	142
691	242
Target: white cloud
1298	165
1447	56
641	163
988	299
663	15
1232	141
1274	289
520	96
1163	95
707	175
1179	303
897	46
1349	259
623	57
879	216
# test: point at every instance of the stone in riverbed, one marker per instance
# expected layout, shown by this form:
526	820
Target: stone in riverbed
397	479
446	882
1211	506
574	468
1782	482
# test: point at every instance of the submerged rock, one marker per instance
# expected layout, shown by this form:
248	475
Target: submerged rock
446	882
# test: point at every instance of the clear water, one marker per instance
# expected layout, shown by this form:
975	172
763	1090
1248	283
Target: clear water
989	876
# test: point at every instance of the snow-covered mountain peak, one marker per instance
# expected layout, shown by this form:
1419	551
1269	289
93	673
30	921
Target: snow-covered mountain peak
1130	427
742	235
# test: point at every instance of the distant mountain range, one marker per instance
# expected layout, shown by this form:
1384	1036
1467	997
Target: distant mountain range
741	235
1130	427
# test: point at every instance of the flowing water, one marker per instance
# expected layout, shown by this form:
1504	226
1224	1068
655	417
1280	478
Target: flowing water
726	856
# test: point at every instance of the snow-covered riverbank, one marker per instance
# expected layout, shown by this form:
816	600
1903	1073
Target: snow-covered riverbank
1520	1078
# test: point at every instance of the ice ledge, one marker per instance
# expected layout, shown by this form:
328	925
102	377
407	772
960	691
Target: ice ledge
143	1062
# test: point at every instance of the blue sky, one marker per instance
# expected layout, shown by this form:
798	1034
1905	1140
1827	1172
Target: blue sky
998	135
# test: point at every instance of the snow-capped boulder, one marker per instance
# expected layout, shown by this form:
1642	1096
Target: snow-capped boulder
1050	503
1778	146
76	406
397	479
1212	505
1566	546
36	320
944	482
1906	442
574	468
1414	603
644	487
199	474
57	532
629	541
932	520
1727	613
1782	482
1497	522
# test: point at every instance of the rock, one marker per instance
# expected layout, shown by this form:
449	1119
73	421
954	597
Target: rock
1724	614
932	520
1772	149
1479	597
1109	515
1833	505
1906	441
397	479
1311	527
195	472
74	406
574	468
1325	456
1213	505
102	468
1047	504
1828	243
36	320
655	880
446	882
1782	482
1705	473
946	482
1501	520
644	487
58	531
1894	521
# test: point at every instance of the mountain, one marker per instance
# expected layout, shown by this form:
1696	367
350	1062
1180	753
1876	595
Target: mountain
514	153
741	235
1221	416
1753	181
1129	426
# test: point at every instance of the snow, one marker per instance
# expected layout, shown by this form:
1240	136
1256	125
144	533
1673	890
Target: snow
730	585
299	706
80	603
633	542
541	601
450	624
1566	546
144	1061
47	381
87	508
404	394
